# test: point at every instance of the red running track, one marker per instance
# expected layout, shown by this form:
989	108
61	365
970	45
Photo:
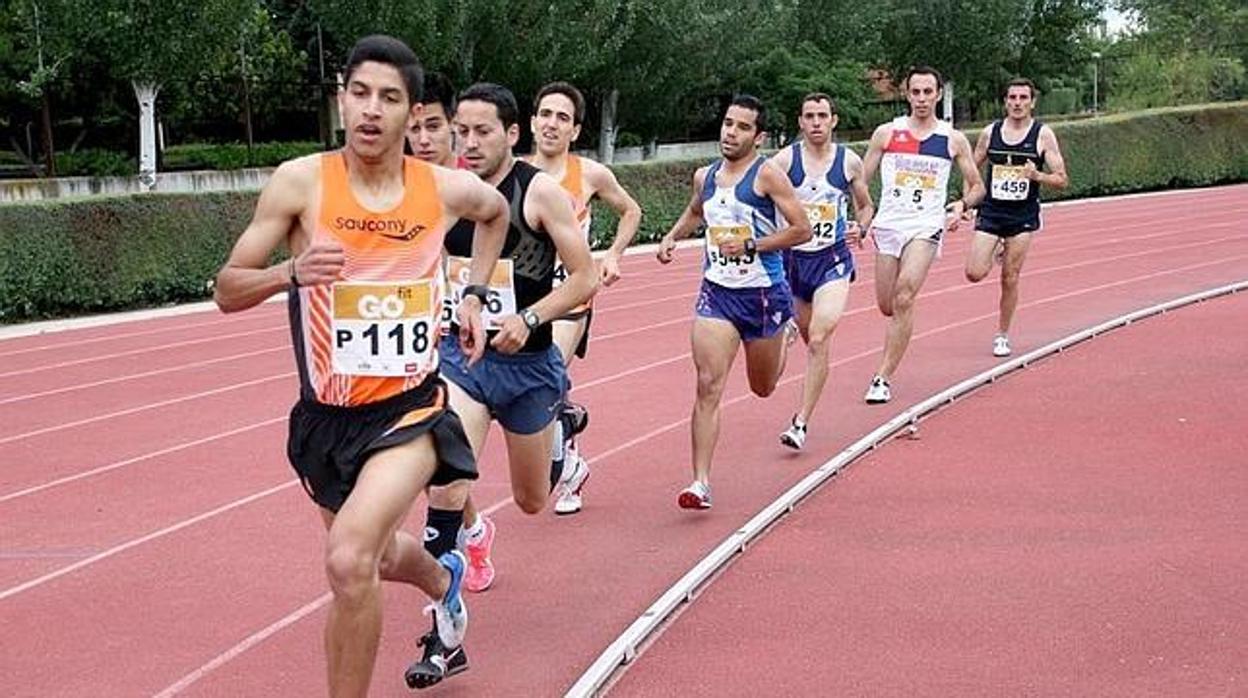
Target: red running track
152	537
1004	552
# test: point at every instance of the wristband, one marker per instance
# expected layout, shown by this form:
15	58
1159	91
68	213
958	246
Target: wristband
481	291
750	246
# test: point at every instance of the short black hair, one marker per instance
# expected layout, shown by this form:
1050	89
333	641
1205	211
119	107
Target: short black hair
753	104
501	97
820	97
1020	82
925	70
380	48
568	90
438	90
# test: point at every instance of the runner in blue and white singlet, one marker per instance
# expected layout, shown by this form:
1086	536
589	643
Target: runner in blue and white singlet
914	155
744	297
826	177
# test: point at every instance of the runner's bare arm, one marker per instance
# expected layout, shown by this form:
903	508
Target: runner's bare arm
981	147
465	196
689	219
864	208
774	183
607	187
247	279
875	151
548	208
972	183
1056	176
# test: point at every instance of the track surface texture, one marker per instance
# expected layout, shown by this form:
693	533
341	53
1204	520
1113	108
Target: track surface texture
153	539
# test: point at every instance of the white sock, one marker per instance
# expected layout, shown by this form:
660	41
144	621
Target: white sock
556	444
474	532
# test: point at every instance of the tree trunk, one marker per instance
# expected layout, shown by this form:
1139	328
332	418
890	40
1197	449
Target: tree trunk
49	151
606	136
948	102
146	93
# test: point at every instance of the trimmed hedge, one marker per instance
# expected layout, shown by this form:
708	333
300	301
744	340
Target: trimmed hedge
67	257
234	156
62	258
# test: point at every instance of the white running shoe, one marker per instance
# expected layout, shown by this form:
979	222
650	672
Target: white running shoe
795	436
450	613
695	496
568	489
1001	346
878	392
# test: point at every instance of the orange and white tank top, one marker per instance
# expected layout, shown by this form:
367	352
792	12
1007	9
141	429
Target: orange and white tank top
574	183
373	333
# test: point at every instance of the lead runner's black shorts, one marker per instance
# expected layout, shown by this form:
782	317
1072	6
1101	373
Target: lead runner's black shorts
329	444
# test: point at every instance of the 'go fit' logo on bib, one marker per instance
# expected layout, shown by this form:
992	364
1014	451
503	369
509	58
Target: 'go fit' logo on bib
383	329
500	301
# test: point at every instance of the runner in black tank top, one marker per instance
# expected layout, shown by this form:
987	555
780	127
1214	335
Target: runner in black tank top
1013	202
520	381
1016	150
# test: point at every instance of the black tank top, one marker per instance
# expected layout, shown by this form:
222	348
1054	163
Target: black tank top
532	251
1007	203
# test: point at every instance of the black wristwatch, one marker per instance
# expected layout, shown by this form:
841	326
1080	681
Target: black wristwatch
750	246
481	291
531	320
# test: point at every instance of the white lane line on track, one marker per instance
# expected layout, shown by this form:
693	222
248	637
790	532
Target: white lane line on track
145	350
145	374
625	649
144	408
290	619
134	542
140	458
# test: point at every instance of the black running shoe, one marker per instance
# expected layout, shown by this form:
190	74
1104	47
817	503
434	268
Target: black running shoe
575	418
437	663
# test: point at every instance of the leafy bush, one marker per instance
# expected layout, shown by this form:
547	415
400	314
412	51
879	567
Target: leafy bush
234	156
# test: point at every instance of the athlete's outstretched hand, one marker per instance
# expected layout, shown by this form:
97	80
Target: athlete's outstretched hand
512	334
666	245
956	213
609	269
471	328
320	264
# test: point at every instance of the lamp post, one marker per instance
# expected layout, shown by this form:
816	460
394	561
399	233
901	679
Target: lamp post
1096	63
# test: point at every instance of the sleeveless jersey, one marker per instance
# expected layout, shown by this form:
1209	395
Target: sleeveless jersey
1012	198
573	182
914	179
526	269
371	334
738	212
824	196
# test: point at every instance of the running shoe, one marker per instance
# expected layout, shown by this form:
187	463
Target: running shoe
568	491
450	613
795	436
575	418
480	573
878	392
791	331
437	663
695	496
1000	346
